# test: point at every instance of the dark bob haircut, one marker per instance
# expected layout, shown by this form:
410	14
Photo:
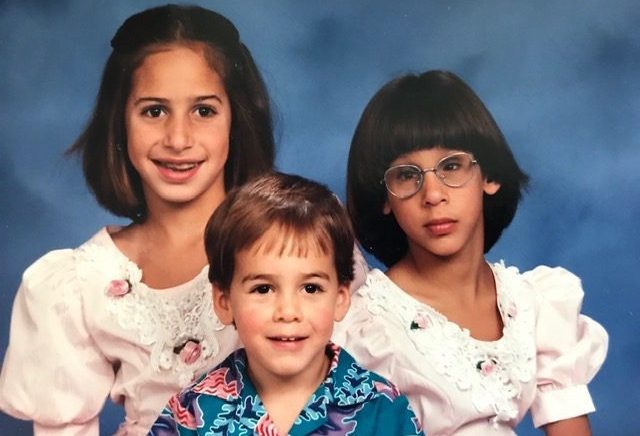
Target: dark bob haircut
103	143
296	206
416	112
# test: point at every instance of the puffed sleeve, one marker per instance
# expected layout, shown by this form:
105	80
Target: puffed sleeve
571	347
53	373
360	269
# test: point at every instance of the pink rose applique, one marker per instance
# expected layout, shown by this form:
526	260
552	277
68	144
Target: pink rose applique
421	321
486	367
118	288
190	351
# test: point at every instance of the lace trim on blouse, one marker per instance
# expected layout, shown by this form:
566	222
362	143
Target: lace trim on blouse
492	371
179	332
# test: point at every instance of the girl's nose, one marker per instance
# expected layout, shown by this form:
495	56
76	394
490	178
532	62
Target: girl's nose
178	133
433	191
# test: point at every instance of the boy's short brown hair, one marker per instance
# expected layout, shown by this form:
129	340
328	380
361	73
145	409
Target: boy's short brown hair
297	206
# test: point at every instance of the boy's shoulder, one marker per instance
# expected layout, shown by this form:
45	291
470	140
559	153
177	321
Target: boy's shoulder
363	396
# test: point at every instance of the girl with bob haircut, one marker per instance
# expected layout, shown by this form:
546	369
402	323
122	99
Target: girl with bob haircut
182	116
431	185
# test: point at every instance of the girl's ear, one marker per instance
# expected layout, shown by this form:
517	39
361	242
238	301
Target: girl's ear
222	305
491	187
386	209
343	301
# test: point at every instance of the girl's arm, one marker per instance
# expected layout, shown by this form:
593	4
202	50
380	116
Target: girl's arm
571	348
52	373
578	426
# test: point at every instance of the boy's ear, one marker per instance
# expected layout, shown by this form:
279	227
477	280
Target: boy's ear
222	305
343	301
491	187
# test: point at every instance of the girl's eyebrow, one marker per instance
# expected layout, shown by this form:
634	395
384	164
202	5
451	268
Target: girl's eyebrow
209	97
152	99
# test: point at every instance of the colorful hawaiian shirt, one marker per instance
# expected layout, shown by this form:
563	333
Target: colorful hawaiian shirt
350	401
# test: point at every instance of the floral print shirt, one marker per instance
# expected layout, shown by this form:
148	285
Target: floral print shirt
350	401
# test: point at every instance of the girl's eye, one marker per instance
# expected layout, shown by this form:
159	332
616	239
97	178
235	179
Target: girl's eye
153	112
311	288
403	174
450	165
261	289
205	111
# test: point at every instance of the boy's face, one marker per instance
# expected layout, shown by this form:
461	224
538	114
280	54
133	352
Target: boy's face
284	298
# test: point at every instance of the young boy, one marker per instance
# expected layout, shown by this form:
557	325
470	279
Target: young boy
280	253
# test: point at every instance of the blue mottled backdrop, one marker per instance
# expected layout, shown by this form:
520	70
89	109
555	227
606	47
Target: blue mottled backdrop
561	78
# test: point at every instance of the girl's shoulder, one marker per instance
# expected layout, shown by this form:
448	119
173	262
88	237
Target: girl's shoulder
542	282
376	281
63	269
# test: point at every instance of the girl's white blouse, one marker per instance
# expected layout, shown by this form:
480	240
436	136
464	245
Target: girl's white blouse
456	384
74	341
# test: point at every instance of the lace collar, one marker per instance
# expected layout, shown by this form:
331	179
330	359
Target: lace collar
178	324
492	371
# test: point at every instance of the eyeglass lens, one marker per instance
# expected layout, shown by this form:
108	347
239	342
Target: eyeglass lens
405	180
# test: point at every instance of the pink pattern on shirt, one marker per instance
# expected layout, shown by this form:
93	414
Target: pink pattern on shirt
266	427
181	414
216	384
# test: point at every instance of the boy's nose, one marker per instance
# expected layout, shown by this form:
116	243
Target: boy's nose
287	308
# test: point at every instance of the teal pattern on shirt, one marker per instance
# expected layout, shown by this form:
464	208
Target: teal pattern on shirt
350	401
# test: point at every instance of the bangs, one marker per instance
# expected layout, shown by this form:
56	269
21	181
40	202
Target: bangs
419	120
293	241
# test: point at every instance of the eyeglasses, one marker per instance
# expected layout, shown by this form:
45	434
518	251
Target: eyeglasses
453	170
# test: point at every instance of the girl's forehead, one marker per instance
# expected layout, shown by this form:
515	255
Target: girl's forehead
208	52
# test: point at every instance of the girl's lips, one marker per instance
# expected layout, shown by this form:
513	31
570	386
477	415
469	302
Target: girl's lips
440	227
177	172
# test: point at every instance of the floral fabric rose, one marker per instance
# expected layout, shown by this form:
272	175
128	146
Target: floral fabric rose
118	288
420	321
486	367
190	351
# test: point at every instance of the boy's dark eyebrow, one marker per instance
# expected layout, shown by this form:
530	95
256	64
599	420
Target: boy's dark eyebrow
166	100
318	274
269	277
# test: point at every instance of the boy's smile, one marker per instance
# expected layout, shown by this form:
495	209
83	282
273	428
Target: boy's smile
284	298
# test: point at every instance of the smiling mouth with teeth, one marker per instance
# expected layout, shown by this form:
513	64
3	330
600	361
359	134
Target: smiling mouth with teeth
185	166
287	339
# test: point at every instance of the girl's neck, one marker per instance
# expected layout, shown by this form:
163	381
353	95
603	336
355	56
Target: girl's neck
180	221
461	288
175	226
431	278
169	245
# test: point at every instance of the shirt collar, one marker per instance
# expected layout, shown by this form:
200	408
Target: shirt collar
346	383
